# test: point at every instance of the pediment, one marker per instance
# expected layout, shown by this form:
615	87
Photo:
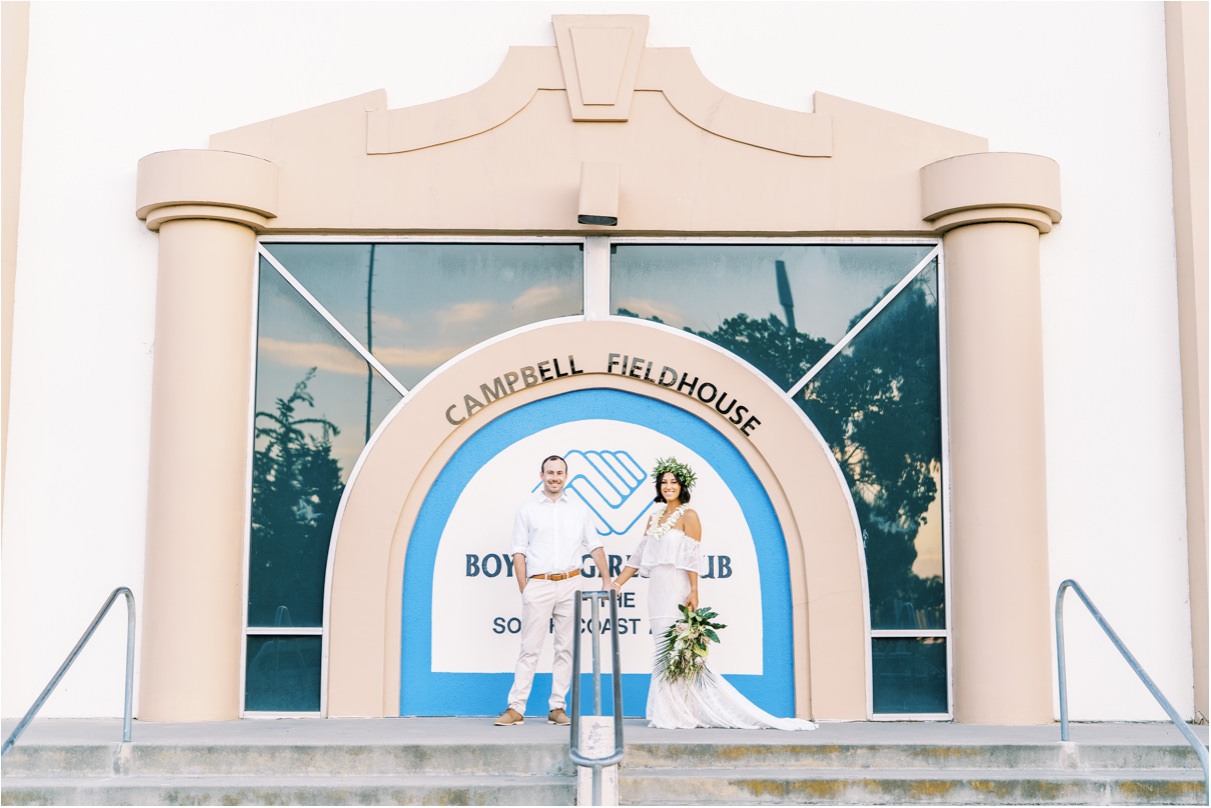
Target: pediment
507	156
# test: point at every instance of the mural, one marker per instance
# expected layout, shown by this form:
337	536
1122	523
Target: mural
458	577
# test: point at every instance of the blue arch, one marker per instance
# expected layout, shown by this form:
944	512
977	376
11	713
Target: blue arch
425	692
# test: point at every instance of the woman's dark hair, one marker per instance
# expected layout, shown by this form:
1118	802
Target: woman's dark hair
683	496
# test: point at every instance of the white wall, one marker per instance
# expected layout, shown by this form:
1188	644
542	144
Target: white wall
1083	83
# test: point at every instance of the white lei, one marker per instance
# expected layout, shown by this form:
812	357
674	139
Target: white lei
661	528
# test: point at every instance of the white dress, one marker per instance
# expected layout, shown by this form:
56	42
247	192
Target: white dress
711	701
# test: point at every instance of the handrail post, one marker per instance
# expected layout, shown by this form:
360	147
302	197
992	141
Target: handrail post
127	712
129	701
1061	664
1121	647
597	764
596	624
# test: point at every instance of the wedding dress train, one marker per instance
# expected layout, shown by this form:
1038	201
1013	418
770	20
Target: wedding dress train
711	701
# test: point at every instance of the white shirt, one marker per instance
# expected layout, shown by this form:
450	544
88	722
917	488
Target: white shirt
554	535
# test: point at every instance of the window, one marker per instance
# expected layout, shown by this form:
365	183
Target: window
343	330
850	330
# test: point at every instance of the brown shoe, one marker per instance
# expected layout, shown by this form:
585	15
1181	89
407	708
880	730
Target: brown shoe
510	718
558	716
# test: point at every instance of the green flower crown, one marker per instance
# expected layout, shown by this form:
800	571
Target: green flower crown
684	473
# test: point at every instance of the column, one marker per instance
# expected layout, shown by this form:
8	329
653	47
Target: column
207	207
1186	49
991	209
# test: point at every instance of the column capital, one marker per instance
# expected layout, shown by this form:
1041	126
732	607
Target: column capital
206	184
991	187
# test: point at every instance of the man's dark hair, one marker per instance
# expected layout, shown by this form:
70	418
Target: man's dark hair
543	468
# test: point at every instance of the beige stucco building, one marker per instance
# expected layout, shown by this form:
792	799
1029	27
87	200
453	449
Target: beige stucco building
568	251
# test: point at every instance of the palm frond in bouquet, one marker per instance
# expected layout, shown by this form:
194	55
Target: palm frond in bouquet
684	647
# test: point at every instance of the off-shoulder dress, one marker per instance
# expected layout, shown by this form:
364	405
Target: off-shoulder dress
711	701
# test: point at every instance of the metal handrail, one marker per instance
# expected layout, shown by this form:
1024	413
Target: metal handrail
1131	660
597	764
75	652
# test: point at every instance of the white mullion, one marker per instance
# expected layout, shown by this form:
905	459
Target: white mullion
273	716
944	489
912	717
596	278
255	292
285	631
909	633
774	240
354	343
870	315
428	239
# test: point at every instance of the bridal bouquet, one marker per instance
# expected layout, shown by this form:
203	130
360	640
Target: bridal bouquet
682	654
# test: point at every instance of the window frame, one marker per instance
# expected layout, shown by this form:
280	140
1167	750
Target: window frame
596	306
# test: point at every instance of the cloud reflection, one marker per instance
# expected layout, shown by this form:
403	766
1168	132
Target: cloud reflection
646	309
424	358
340	359
538	296
389	322
468	312
336	358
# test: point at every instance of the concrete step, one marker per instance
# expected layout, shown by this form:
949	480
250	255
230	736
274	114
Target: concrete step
467	761
818	786
912	756
438	759
271	789
732	786
327	760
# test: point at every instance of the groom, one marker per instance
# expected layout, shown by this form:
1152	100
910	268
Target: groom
551	533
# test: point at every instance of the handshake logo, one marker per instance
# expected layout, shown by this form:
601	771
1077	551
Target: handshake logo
613	485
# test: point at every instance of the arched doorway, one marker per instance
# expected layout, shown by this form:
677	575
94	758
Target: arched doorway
406	484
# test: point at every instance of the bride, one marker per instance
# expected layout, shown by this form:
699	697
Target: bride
669	555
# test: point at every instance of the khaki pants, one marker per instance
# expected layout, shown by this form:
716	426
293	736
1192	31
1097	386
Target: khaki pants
542	601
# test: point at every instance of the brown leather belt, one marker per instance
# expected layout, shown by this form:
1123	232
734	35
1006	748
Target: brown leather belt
559	576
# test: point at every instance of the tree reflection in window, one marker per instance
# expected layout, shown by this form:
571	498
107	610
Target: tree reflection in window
878	405
296	488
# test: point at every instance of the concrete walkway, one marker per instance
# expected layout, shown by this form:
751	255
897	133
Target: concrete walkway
437	731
